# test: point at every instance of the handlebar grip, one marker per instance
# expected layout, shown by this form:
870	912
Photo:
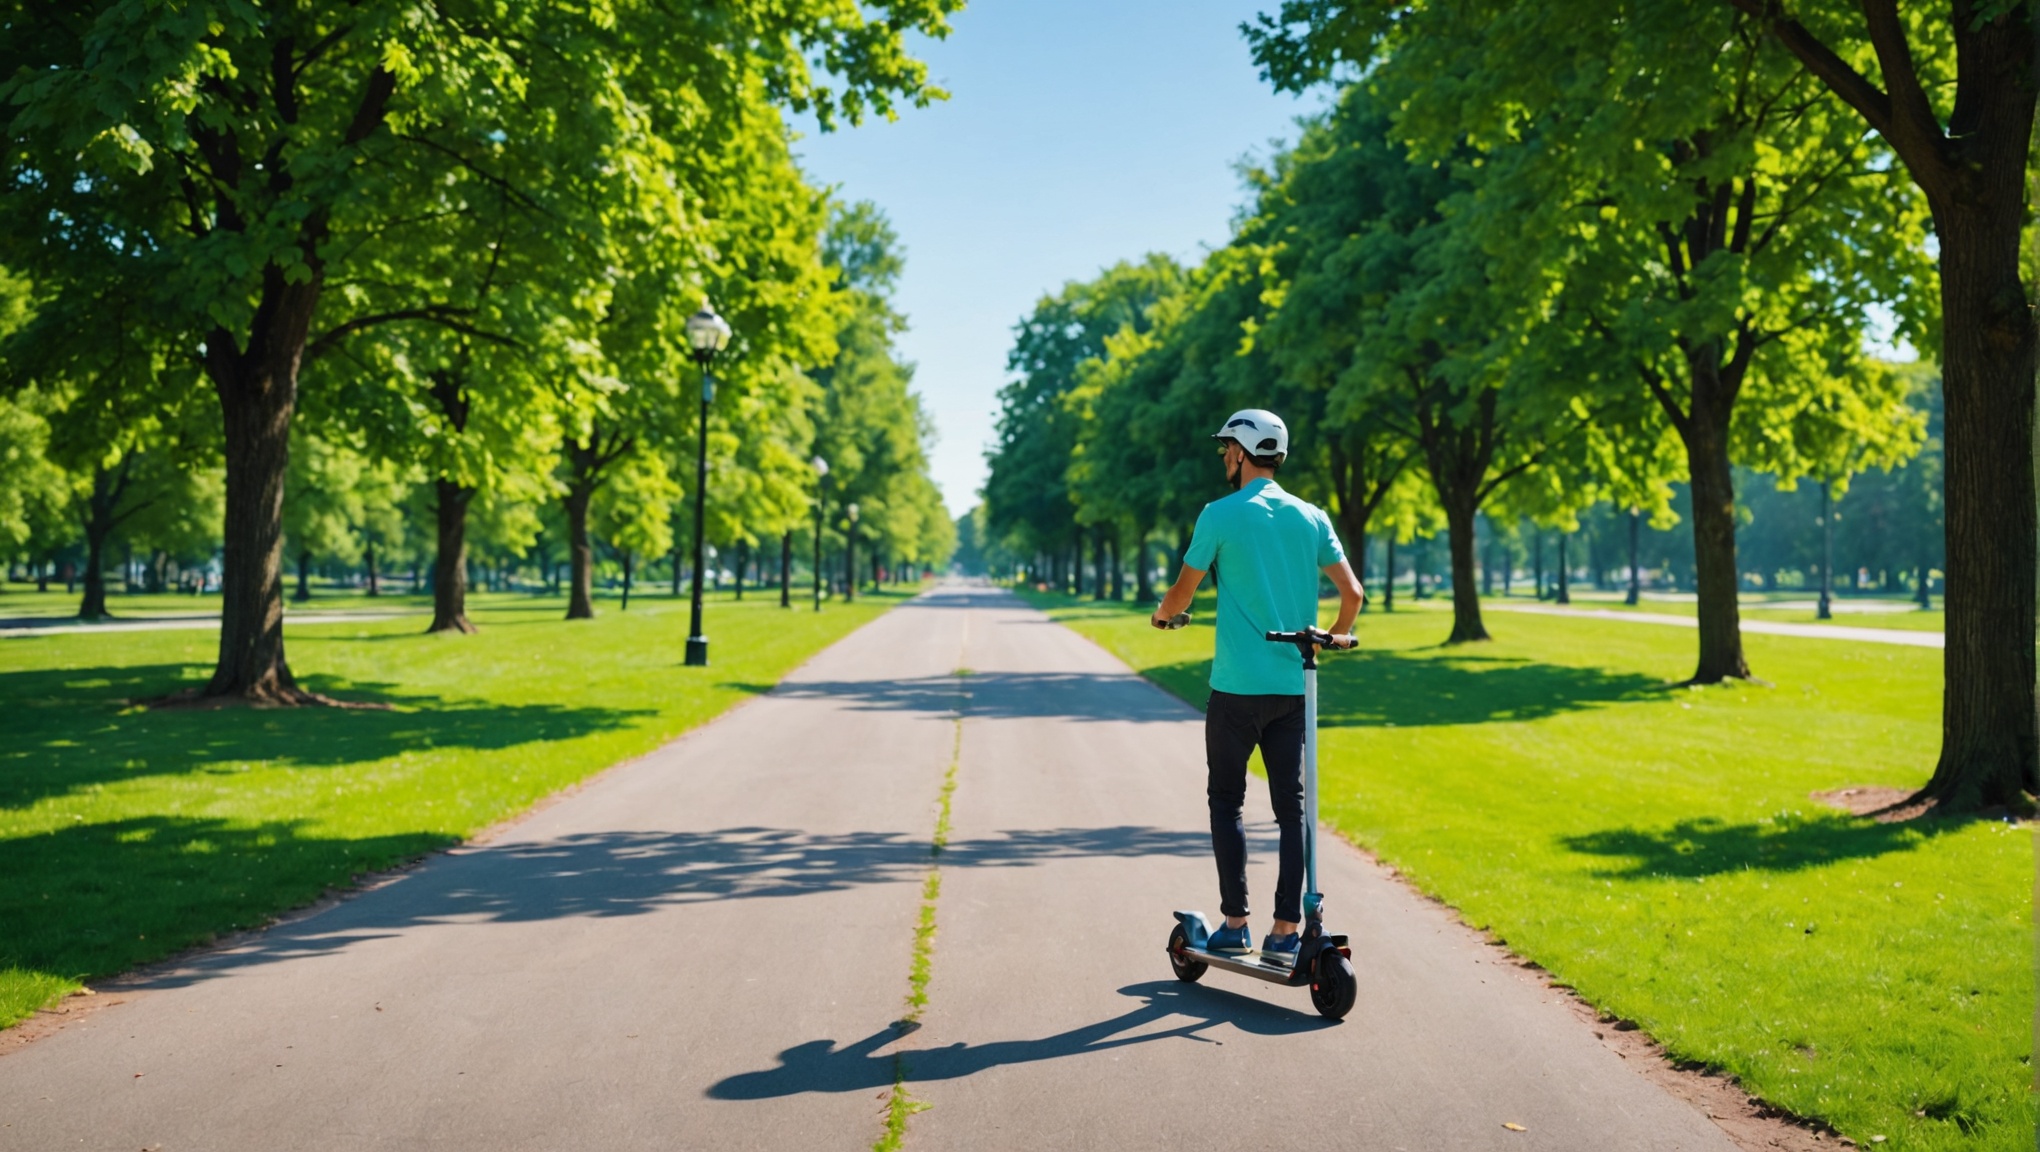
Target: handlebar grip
1316	636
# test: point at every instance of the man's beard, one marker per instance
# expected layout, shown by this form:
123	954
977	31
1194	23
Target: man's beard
1232	474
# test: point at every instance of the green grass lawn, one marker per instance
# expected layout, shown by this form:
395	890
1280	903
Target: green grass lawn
128	834
1656	849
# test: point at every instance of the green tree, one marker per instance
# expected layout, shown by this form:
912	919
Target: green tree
868	422
1951	93
323	509
1702	213
1027	494
242	156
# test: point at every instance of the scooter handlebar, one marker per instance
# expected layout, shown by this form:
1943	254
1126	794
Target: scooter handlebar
1308	637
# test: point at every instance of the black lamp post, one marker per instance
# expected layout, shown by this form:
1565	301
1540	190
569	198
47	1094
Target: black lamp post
821	475
1825	610
707	334
850	557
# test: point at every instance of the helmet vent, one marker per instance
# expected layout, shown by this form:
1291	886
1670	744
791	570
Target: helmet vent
1267	445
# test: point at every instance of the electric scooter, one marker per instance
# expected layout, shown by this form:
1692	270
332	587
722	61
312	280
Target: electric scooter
1324	961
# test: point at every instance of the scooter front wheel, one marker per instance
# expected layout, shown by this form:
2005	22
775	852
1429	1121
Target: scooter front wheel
1333	987
1187	970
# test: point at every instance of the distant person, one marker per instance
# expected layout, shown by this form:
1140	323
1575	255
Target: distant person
1268	548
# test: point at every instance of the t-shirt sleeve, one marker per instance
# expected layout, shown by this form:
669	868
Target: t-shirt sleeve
1203	550
1329	550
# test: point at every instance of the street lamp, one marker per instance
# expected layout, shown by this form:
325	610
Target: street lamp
821	474
707	334
1826	610
850	558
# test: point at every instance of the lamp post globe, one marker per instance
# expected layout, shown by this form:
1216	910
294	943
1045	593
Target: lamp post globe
707	334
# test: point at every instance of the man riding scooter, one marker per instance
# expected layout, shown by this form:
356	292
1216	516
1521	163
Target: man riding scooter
1267	548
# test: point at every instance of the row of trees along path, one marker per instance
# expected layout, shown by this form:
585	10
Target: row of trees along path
462	239
1630	244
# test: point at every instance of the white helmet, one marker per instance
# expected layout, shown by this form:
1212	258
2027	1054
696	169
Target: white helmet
1259	431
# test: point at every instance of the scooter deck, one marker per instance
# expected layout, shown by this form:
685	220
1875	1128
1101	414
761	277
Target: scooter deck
1250	966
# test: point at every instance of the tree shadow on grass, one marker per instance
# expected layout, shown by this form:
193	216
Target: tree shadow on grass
1388	689
100	898
69	729
822	1066
1709	846
1425	688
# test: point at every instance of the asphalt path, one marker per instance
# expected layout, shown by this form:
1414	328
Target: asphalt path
23	627
710	947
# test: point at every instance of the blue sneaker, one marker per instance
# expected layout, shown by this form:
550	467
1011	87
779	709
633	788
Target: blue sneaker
1231	941
1281	951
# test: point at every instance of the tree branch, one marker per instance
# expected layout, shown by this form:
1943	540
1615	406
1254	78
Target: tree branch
474	169
443	315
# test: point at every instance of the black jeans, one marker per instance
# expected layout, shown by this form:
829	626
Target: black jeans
1233	726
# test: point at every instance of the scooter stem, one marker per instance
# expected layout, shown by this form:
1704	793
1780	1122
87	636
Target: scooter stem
1313	903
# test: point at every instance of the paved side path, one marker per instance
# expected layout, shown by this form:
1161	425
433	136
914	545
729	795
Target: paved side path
706	949
1902	636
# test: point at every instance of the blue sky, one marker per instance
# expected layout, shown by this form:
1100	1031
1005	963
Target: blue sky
1075	135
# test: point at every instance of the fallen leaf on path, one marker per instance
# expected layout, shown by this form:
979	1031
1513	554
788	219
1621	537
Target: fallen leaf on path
1513	1126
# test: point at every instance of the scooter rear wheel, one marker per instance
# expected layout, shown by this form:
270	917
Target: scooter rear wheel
1333	987
1187	970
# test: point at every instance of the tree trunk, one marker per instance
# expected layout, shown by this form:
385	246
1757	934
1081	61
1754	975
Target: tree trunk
1118	570
1988	723
1100	585
93	605
102	516
374	577
449	570
1388	576
1537	563
1487	568
1143	577
304	576
625	557
743	558
1564	573
1713	489
258	391
581	557
1466	622
1634	595
786	569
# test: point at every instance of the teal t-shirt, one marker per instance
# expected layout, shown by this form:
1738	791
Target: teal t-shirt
1266	547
